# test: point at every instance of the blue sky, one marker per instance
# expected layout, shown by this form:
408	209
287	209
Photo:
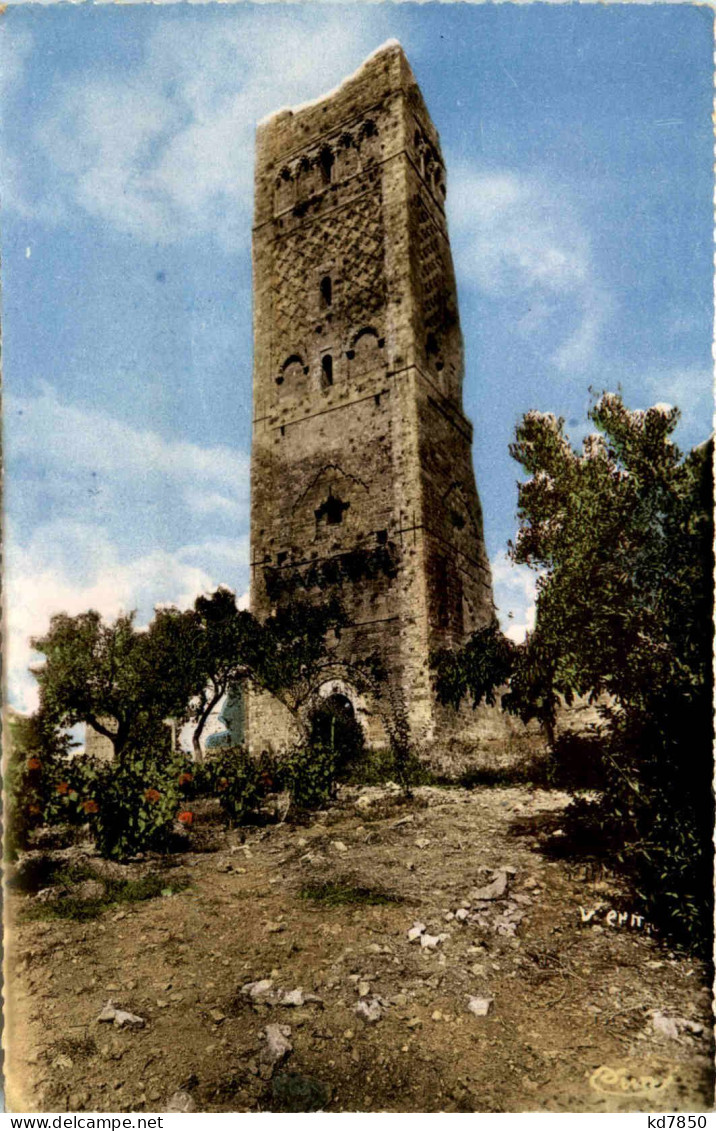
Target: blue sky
579	151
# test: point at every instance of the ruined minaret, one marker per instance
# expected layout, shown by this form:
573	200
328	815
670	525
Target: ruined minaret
362	473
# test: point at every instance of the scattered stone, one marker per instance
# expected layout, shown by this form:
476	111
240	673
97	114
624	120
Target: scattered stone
672	1027
217	1016
480	1006
370	1010
275	928
363	989
120	915
461	914
340	846
62	1062
180	1102
257	990
414	1023
437	1015
121	1018
666	1026
494	890
297	997
422	842
416	931
432	942
278	1046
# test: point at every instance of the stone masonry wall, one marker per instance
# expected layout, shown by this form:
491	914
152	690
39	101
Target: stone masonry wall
361	462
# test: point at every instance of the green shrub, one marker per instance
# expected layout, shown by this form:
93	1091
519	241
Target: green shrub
309	774
236	779
38	756
132	805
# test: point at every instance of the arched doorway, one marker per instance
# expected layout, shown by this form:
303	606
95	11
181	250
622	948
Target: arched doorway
334	725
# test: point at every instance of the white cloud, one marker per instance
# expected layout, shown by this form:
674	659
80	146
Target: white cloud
515	589
169	148
39	585
691	389
66	440
514	235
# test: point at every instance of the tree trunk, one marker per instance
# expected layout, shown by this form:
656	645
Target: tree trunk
199	729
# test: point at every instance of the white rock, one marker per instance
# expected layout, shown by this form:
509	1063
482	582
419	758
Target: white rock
278	1045
121	1018
340	846
108	1012
125	1020
416	931
422	842
431	942
496	888
256	990
461	914
363	989
370	1010
667	1026
180	1102
480	1006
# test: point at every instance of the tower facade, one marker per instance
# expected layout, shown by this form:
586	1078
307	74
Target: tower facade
362	475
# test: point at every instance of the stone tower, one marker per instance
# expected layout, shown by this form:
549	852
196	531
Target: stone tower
361	470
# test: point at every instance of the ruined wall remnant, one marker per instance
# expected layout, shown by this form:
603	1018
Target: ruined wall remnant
361	469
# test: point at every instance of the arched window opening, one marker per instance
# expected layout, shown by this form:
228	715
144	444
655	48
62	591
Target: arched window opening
326	371
332	510
326	287
292	367
326	161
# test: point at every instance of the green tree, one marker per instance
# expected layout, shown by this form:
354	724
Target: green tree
621	534
121	681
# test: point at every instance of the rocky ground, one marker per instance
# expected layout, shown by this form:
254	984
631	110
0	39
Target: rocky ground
390	955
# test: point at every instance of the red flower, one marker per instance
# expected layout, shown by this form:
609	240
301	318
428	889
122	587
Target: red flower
63	787
186	817
184	778
223	783
266	780
33	763
152	795
90	806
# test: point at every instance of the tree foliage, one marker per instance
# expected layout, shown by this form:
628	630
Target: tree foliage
112	676
621	534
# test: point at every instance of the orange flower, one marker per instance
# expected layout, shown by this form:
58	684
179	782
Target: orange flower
33	763
63	787
186	817
90	806
223	783
184	778
34	809
152	794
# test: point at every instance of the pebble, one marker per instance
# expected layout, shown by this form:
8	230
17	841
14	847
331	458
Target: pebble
180	1102
278	1046
480	1006
370	1010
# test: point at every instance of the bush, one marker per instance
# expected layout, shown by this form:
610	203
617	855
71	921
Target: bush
39	755
236	779
309	774
132	805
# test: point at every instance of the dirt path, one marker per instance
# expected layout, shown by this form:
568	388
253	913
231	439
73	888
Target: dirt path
570	1026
